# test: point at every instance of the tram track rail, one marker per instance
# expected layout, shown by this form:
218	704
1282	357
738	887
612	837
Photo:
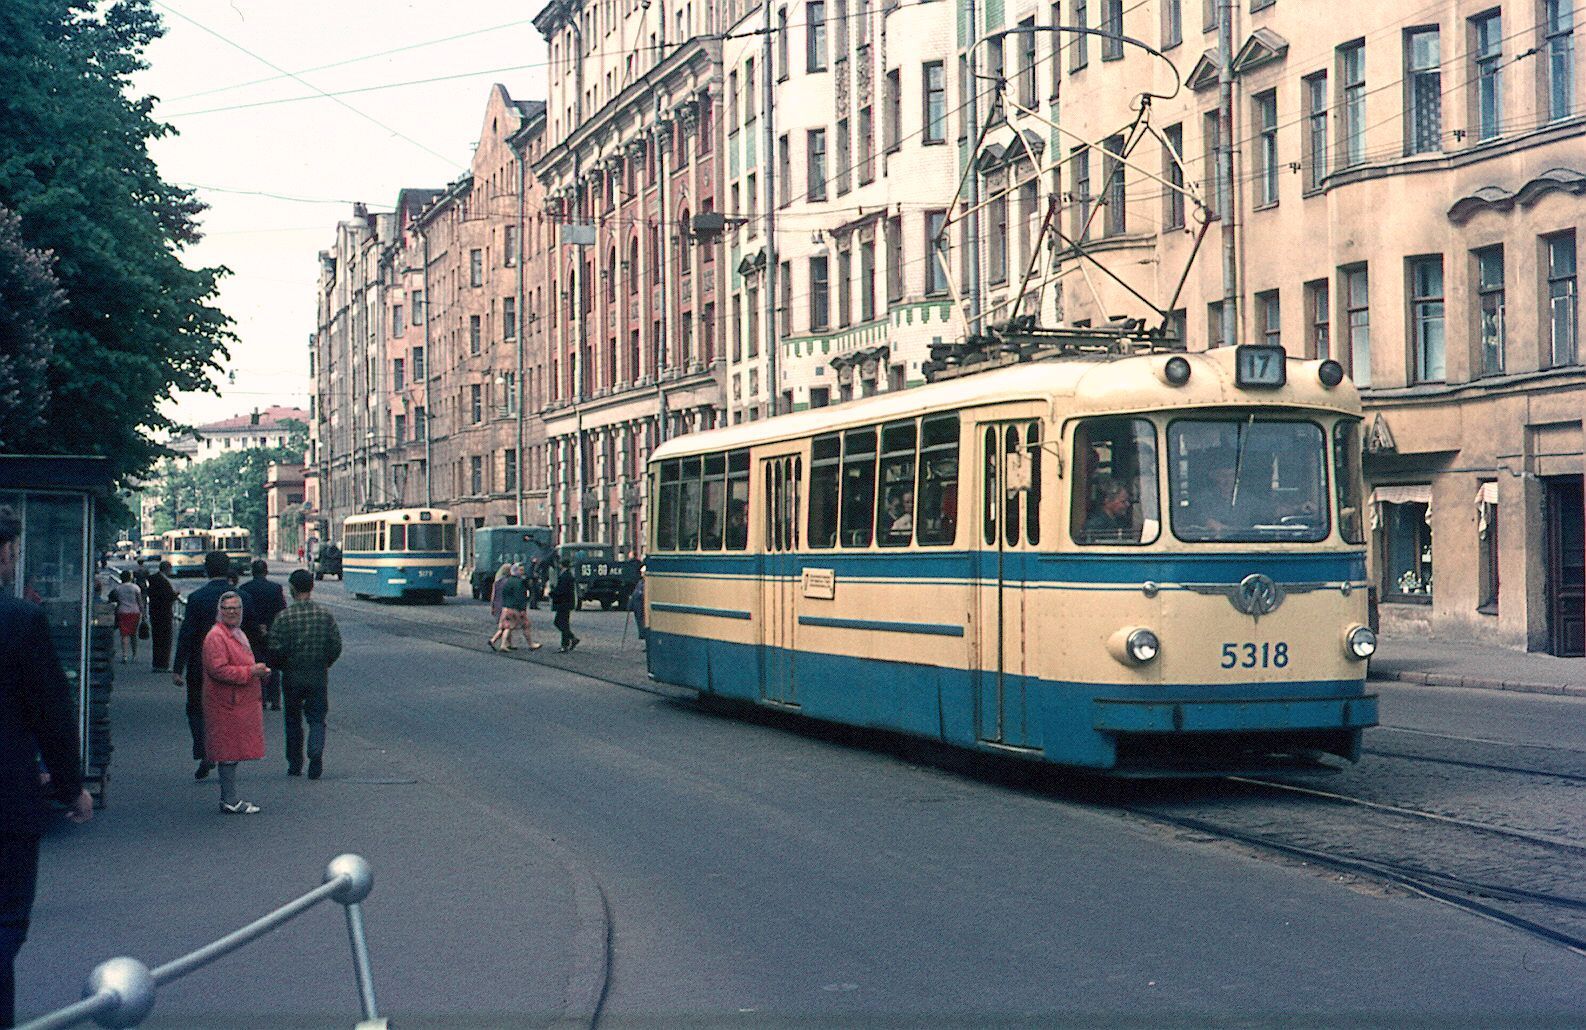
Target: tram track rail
1446	860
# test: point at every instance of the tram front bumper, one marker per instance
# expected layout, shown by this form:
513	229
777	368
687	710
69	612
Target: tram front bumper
1233	715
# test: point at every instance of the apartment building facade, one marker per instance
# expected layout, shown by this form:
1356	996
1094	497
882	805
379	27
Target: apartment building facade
632	283
1405	196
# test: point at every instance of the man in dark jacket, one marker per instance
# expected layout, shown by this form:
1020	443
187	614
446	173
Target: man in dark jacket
263	601
162	602
198	618
35	721
564	597
304	643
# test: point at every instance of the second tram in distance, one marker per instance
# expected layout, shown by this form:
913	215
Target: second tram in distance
1143	564
409	552
185	550
237	543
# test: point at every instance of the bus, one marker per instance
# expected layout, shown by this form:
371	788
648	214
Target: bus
185	550
237	542
409	552
1144	564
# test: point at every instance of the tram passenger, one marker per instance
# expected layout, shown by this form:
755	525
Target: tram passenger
1111	521
899	525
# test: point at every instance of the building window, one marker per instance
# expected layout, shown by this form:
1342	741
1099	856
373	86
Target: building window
1173	172
1266	117
1115	222
936	253
476	403
845	158
509	469
892	111
997	233
421	423
867	281
1318	320
1211	132
1315	131
1080	199
1112	23
845	287
1562	299
476	267
934	82
1407	553
1489	287
1487	545
1079	46
785	292
476	474
509	245
820	294
784	169
418	364
397	367
840	27
1423	91
816	150
895	258
820	396
418	306
1271	318
1558	26
1487	55
509	318
815	36
1026	71
475	333
867	147
1172	23
399	429
753	304
1352	104
781	43
1426	317
1215	336
1357	309
397	323
1027	216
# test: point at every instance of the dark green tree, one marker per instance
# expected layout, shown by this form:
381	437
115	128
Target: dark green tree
137	324
29	296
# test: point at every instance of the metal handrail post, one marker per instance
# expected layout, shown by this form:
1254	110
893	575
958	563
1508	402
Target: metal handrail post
360	961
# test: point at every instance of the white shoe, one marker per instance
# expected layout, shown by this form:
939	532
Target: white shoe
240	808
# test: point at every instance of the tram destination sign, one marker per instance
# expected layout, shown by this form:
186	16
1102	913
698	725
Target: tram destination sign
1260	365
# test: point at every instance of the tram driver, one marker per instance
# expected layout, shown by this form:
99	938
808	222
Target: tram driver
1111	519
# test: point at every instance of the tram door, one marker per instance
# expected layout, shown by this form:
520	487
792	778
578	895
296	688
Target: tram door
779	578
1010	532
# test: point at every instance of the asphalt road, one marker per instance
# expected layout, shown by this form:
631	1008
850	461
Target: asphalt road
566	845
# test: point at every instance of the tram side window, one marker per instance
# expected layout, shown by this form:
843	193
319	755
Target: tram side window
936	514
738	501
1115	482
825	478
666	519
1032	496
379	536
859	486
713	502
399	538
1346	478
895	500
688	507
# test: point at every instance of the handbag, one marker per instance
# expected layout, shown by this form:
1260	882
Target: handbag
143	629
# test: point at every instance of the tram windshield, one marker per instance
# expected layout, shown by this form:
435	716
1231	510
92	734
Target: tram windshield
1244	479
192	544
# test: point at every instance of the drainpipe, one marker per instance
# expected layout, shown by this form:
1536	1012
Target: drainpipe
972	250
1225	171
517	476
429	496
773	267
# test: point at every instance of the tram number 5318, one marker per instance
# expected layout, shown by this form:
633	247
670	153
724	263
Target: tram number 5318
1251	656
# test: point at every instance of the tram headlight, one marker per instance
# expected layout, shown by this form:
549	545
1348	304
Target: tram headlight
1134	645
1330	372
1176	370
1360	643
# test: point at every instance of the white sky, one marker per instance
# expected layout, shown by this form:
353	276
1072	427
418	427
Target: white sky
315	149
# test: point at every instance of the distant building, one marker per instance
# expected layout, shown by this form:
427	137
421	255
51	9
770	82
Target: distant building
268	427
283	499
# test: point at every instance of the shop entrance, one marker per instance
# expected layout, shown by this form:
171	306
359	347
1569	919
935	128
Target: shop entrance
1566	567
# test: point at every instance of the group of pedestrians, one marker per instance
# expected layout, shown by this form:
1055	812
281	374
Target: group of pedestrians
512	595
233	644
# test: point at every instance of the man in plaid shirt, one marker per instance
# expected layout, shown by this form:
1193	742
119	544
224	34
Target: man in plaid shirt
304	644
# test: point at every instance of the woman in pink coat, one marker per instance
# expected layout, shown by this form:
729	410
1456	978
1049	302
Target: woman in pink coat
233	704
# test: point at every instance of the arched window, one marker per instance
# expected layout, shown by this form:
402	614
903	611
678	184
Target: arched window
684	245
611	275
632	273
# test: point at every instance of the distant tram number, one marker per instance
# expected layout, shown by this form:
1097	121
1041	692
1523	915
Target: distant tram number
1251	656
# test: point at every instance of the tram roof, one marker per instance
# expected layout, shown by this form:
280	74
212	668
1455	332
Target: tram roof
441	515
1093	383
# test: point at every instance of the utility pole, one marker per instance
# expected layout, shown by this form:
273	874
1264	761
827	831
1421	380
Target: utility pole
1224	188
773	267
972	247
429	497
517	258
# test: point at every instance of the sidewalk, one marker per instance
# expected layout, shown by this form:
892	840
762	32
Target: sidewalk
1458	663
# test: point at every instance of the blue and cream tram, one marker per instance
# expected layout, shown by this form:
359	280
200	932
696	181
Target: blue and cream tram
1143	564
185	550
237	542
410	552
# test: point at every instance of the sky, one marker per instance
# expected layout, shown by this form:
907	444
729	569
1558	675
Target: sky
278	176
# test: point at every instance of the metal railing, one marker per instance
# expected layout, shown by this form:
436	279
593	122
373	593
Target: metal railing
121	992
